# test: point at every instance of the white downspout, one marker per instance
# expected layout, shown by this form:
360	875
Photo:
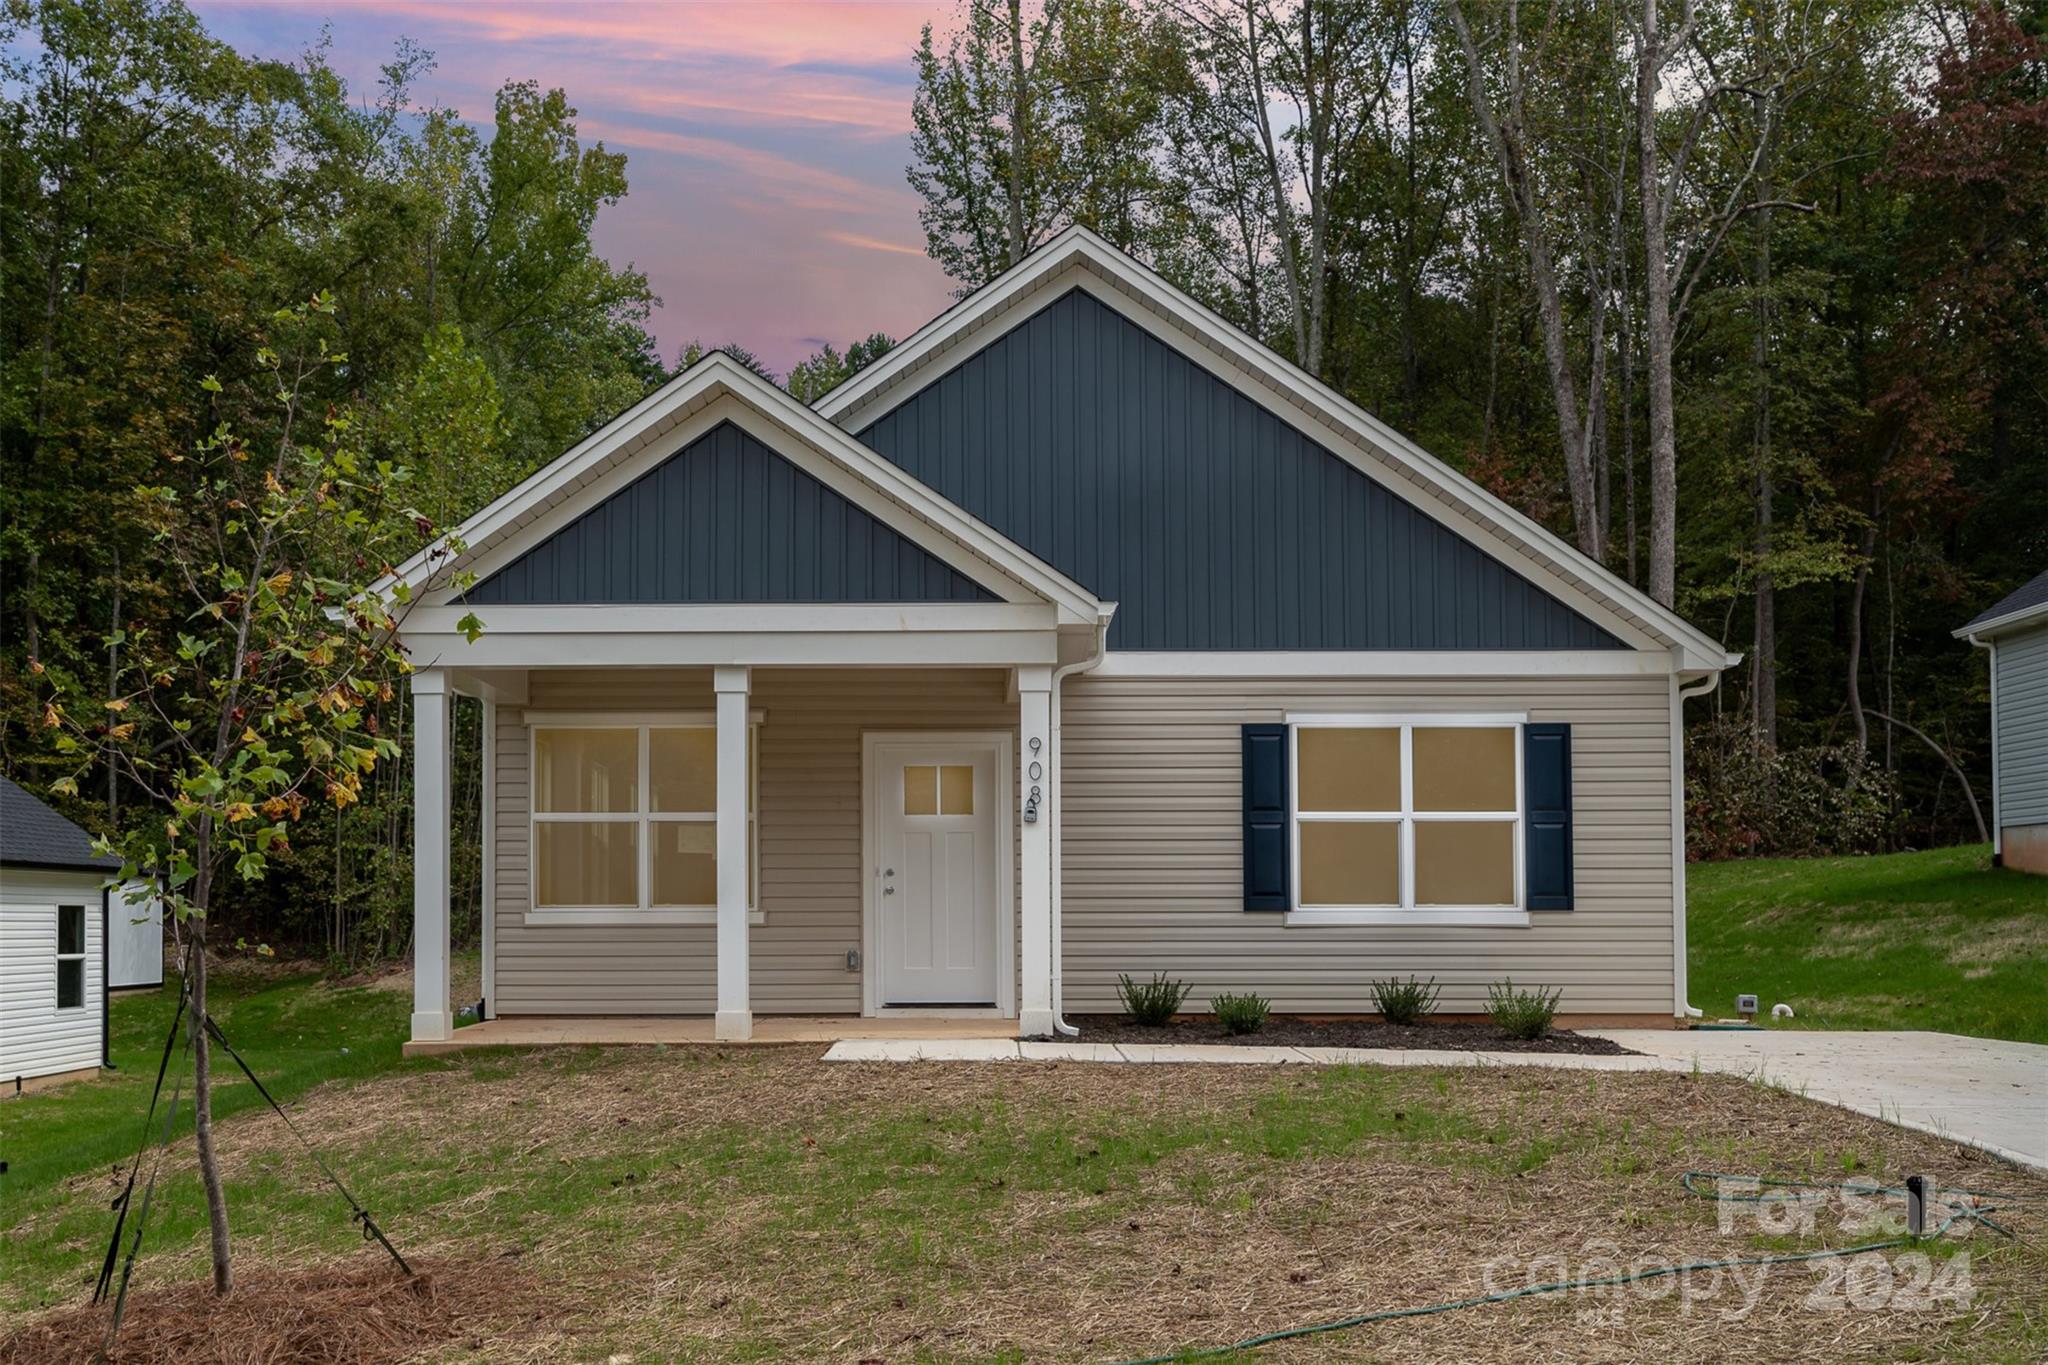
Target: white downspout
1678	699
1990	647
1054	782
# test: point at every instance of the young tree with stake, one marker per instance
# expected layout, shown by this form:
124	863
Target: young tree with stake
256	688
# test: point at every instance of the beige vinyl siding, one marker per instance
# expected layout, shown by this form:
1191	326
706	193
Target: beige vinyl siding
1152	868
2021	660
810	831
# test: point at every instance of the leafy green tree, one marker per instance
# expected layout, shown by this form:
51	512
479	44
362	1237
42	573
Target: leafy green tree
1023	125
827	369
694	351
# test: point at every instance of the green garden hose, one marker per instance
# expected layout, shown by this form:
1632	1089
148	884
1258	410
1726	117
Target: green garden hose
1779	1191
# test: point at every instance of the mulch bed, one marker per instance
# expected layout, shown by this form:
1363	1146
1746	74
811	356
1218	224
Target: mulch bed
362	1312
1444	1035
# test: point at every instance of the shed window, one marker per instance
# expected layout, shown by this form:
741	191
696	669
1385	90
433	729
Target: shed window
70	957
1420	817
625	817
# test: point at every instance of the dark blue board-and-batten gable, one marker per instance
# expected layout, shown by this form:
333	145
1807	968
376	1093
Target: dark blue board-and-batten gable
1210	521
726	519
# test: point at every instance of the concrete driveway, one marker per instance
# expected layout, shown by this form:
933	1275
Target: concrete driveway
1990	1094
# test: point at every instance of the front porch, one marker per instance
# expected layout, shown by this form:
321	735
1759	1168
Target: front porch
730	854
770	1030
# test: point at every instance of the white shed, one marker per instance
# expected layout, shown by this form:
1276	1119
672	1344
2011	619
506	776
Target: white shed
53	944
2015	630
135	937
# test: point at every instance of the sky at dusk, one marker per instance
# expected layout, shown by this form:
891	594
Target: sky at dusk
766	141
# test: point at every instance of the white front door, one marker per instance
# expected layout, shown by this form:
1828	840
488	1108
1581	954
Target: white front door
935	877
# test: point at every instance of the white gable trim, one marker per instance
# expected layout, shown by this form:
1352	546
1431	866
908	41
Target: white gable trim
1079	258
1999	625
715	390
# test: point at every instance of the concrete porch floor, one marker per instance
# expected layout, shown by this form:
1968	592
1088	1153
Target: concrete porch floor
567	1030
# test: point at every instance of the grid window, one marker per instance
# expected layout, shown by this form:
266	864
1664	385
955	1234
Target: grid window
1395	815
70	957
625	816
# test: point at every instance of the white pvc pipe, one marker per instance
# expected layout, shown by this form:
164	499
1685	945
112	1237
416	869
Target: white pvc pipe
1055	780
1679	695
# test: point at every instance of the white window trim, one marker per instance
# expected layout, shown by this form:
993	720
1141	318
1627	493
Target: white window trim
61	957
544	916
1407	913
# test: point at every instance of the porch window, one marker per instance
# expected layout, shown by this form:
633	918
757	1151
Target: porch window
1407	820
625	818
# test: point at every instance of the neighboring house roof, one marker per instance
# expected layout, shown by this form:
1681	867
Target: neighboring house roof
633	443
1079	258
33	835
2028	602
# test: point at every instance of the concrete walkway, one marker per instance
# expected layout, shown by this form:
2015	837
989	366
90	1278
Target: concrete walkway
1977	1091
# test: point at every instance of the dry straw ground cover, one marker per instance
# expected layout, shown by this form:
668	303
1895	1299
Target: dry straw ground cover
700	1205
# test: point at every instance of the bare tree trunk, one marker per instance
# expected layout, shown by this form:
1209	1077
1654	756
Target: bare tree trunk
1628	415
1658	337
31	620
1855	691
1283	206
1976	813
1507	137
114	683
1764	668
202	1067
1020	113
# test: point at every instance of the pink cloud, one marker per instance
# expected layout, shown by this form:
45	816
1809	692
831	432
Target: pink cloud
871	244
765	141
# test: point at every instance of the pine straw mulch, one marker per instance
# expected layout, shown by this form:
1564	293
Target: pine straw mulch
1451	1035
706	1205
363	1311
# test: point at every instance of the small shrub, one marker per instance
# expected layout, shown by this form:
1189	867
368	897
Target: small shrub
1151	1003
1521	1014
1241	1014
1405	1002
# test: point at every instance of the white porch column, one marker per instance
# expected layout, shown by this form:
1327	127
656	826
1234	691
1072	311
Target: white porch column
1034	877
431	1020
735	1021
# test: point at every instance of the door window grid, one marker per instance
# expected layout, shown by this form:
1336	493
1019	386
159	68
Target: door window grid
938	789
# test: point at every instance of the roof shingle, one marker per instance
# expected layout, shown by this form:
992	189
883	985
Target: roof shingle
33	835
2032	593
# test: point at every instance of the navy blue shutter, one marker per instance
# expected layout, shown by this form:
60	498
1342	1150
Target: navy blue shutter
1265	817
1547	799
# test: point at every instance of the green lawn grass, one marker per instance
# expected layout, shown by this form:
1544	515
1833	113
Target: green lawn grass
1936	940
295	1032
700	1204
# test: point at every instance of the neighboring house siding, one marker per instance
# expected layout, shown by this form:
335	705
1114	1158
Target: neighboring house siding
810	814
2022	663
1152	829
1212	522
726	519
36	1038
135	944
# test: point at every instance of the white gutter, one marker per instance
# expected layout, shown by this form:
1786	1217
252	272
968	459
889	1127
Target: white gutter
1990	648
1054	781
1679	695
